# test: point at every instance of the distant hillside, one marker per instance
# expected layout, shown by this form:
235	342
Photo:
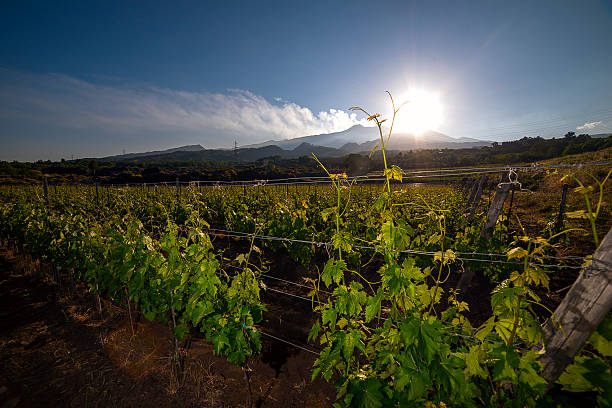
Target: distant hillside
603	155
188	148
360	138
357	139
245	164
357	134
411	142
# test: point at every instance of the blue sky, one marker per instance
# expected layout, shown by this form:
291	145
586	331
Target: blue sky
94	78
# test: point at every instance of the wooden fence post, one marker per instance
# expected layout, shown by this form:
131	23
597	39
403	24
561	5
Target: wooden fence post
476	200
472	194
559	223
510	207
468	274
462	186
466	188
46	191
501	193
584	307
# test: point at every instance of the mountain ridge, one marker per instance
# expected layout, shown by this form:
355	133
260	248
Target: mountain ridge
357	139
359	134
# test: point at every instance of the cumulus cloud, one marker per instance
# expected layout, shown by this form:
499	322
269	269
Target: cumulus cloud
72	104
589	125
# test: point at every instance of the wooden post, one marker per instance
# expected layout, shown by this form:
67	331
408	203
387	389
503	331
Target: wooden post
465	189
462	185
178	191
559	223
176	346
46	191
72	284
510	207
98	303
472	194
97	196
501	193
584	307
476	200
57	276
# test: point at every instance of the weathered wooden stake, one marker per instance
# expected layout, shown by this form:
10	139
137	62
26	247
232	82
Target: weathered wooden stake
501	193
584	307
46	191
476	200
510	207
462	186
72	284
98	303
57	277
176	347
97	196
245	370
559	223
472	194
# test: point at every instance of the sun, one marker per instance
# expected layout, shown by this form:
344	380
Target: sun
422	111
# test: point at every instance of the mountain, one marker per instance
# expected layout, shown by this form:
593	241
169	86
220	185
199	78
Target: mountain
356	133
360	138
601	135
128	156
429	140
211	155
357	139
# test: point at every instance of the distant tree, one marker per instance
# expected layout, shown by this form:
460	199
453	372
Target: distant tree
356	164
93	166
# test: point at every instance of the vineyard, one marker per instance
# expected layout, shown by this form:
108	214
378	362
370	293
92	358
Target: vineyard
416	293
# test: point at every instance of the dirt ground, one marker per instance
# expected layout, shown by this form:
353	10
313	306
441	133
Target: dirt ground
56	351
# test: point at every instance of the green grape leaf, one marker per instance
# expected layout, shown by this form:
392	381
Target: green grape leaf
366	394
314	331
180	331
517	252
472	362
372	307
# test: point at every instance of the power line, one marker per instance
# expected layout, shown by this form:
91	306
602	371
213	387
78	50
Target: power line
244	235
288	342
374	177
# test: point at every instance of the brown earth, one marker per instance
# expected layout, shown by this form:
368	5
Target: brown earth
56	351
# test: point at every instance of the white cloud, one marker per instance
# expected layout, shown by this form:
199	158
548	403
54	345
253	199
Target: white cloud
75	105
589	125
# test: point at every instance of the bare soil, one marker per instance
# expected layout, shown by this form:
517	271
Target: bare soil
56	351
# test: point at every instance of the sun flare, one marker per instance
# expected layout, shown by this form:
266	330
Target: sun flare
422	111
